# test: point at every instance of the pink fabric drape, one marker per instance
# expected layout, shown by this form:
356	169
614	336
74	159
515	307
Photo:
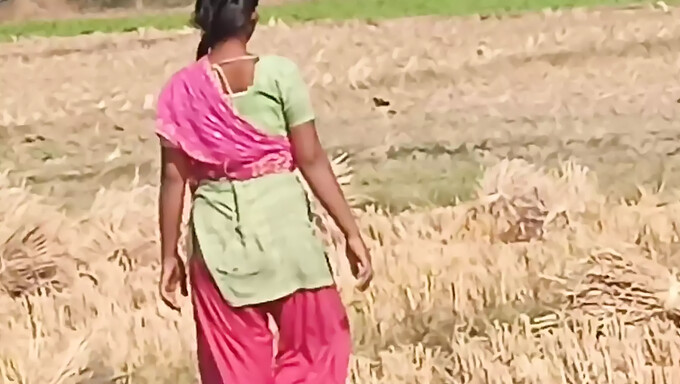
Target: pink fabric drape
195	115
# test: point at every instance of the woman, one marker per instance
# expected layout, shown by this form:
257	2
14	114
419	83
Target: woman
234	126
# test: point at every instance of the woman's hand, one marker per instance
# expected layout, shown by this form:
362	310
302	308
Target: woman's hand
359	262
173	275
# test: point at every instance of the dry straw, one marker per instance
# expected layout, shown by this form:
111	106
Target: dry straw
456	298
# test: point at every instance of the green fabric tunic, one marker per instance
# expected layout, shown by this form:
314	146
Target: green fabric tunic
256	236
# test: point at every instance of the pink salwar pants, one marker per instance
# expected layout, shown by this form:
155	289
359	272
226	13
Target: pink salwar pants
236	345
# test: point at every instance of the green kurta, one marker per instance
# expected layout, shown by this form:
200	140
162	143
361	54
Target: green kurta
256	236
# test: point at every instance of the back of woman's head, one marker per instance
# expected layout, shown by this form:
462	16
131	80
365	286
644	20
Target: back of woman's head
222	19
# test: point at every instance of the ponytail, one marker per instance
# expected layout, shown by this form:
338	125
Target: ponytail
203	46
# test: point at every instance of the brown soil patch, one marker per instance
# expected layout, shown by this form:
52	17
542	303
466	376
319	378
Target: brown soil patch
29	9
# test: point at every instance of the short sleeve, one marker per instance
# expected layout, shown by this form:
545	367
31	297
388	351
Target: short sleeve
297	104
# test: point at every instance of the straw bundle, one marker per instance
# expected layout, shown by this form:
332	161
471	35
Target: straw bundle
525	200
30	263
627	285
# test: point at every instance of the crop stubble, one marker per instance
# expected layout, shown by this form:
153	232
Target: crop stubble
508	287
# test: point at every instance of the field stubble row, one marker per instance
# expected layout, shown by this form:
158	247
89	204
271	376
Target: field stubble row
539	279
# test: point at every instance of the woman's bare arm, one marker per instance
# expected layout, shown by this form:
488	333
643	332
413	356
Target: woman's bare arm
314	165
174	169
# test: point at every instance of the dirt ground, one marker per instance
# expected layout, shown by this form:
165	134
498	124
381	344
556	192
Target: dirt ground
27	9
601	87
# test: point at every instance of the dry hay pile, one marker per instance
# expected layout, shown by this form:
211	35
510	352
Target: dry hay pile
456	298
29	266
628	285
525	200
30	261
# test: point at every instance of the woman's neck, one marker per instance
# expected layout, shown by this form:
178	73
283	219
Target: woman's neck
228	49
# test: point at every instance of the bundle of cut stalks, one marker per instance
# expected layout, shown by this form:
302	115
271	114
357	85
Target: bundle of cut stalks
30	263
626	285
524	199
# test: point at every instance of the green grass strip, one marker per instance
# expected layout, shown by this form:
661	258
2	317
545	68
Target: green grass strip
382	9
73	27
298	11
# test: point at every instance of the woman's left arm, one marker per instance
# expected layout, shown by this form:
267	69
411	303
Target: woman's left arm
174	172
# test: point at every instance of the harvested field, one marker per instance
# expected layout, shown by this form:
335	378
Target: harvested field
556	268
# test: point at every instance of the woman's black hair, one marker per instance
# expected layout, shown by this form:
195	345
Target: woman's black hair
221	19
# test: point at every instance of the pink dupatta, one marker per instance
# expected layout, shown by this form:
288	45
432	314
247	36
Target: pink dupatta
197	116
